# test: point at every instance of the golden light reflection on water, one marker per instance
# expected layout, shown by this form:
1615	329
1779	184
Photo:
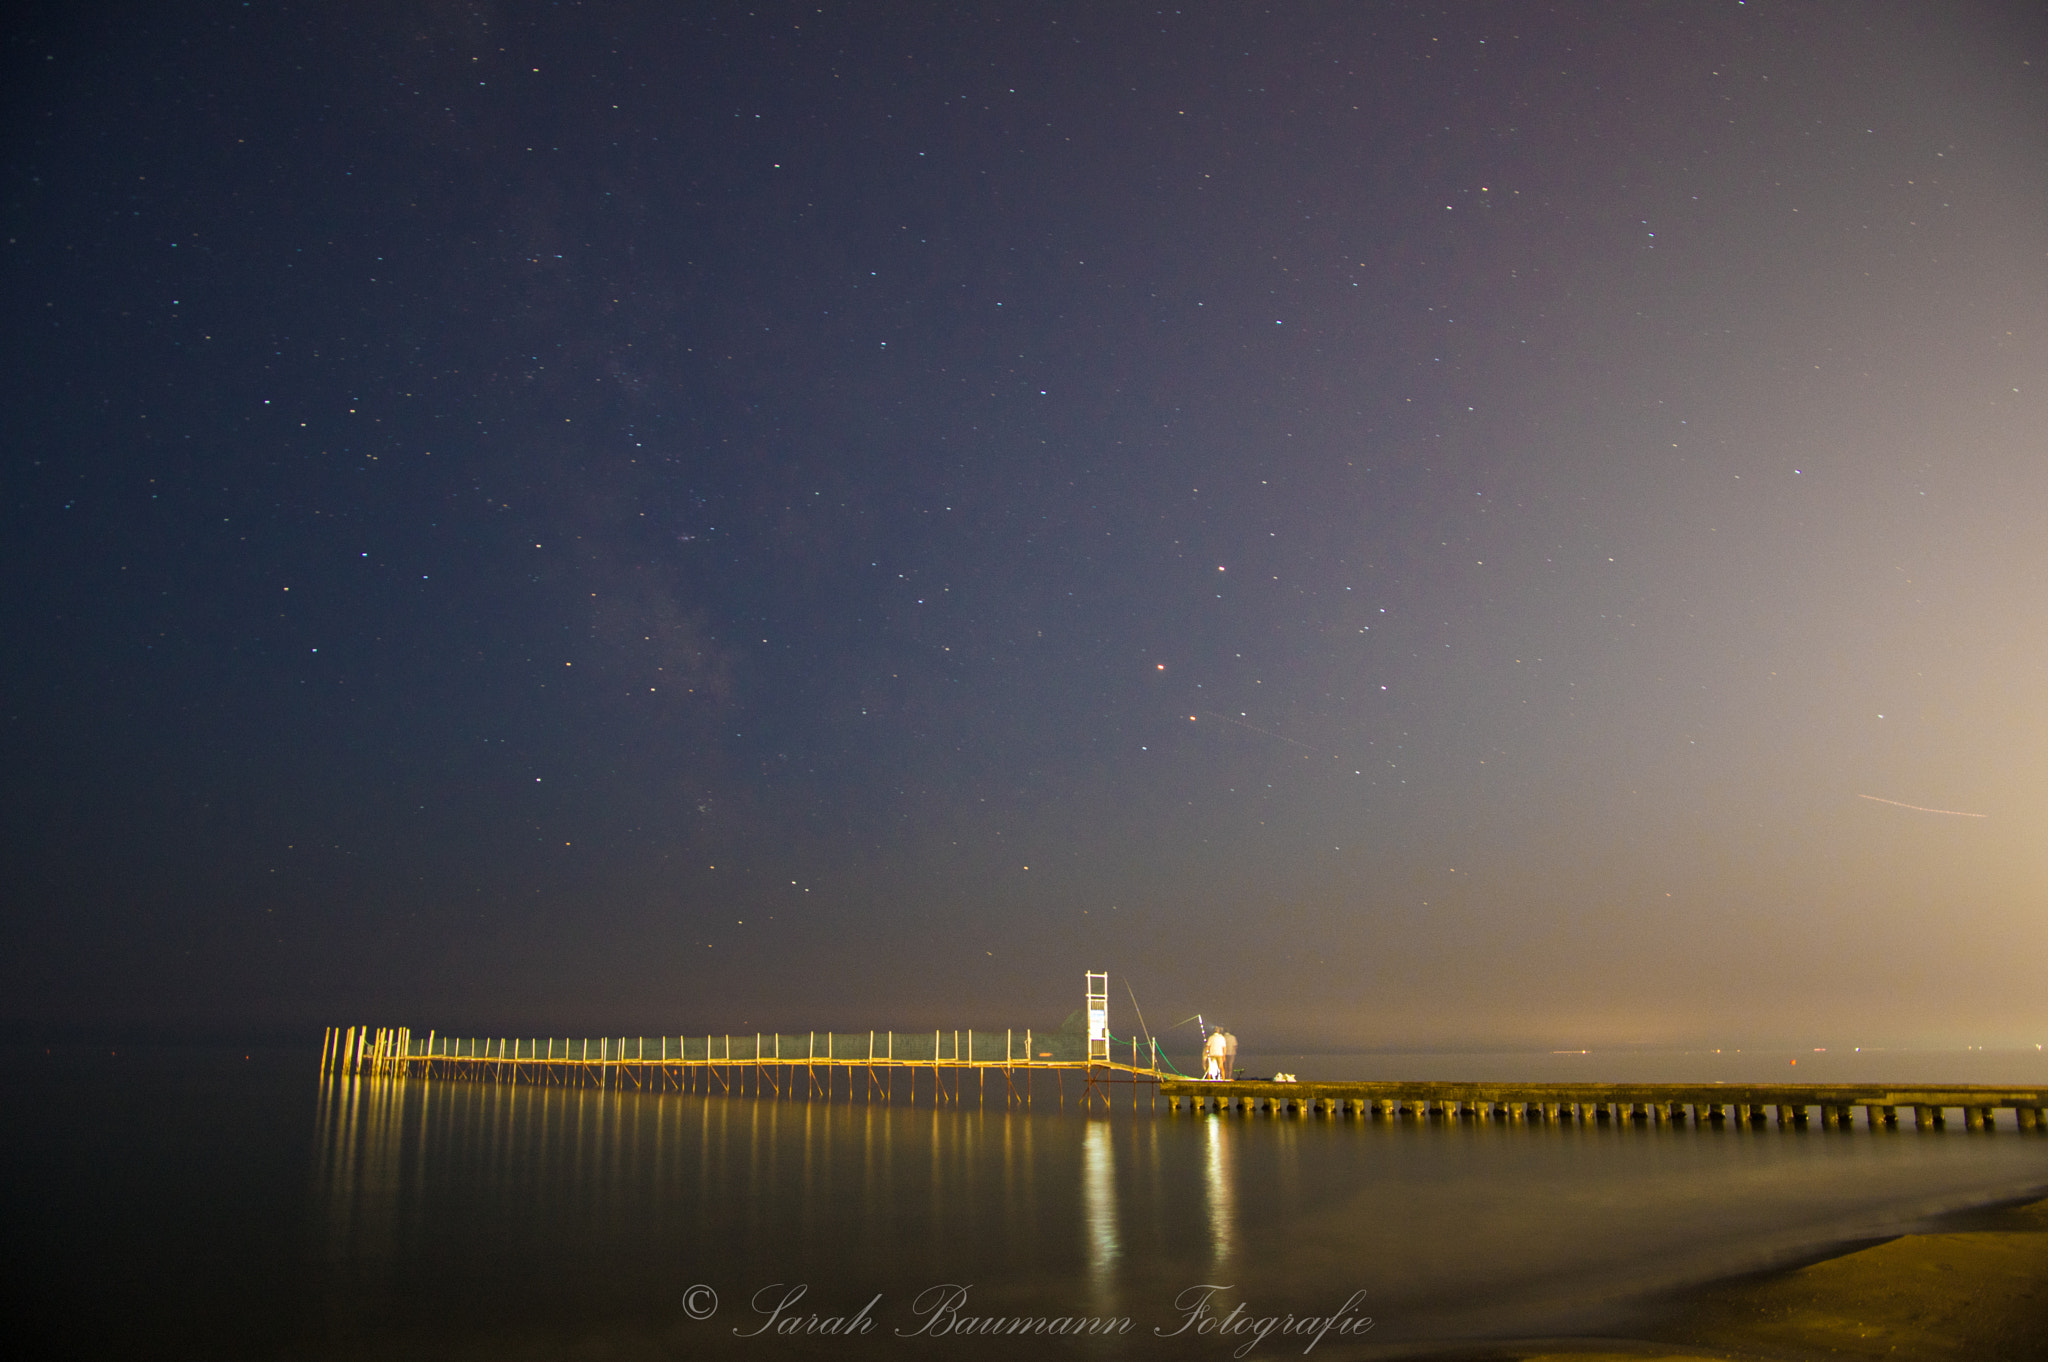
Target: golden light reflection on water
833	1179
1217	1190
549	1204
1098	1191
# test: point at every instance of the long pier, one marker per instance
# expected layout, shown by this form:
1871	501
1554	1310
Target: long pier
801	1064
868	1064
1651	1103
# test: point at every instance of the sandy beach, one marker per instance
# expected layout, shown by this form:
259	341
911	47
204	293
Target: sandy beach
1978	1290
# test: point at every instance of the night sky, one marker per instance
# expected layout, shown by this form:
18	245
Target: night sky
1389	525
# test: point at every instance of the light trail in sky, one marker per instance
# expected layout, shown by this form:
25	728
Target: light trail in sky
1277	737
1916	808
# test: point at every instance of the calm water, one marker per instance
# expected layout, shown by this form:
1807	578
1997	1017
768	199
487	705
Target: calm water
205	1204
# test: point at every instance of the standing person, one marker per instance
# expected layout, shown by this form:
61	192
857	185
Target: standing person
1216	1052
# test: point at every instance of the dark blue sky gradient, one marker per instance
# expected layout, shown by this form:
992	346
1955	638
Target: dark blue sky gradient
1385	525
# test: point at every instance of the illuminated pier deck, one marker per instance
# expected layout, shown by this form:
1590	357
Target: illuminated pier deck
869	1064
822	1064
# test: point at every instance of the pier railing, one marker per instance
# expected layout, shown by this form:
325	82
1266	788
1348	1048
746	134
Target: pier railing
813	1063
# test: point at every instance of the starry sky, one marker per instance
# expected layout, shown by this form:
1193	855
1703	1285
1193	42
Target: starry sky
1390	525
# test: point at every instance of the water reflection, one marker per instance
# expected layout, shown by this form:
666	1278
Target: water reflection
360	1162
545	1221
1216	1184
1098	1194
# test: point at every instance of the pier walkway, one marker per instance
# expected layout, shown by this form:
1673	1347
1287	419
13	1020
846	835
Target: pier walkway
1731	1103
1005	1064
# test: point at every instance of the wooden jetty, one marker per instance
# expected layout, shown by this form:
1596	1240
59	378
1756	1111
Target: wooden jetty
822	1064
1652	1103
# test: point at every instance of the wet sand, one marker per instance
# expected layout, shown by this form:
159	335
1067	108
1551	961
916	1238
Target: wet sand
1978	1290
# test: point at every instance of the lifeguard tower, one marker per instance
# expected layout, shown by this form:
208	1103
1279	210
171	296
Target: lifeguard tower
1098	1016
